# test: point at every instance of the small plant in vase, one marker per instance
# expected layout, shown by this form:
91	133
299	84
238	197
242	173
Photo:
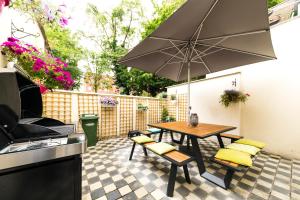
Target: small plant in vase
108	102
173	97
233	96
142	107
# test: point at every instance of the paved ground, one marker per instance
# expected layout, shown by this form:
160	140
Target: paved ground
107	174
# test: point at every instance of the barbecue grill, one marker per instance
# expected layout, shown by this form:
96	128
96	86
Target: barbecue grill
40	158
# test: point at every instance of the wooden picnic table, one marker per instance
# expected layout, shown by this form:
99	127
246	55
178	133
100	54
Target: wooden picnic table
202	131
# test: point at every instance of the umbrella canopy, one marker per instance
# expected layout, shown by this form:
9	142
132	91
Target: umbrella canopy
205	36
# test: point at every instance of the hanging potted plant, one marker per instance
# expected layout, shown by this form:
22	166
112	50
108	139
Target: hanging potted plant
108	102
46	70
233	96
173	99
142	107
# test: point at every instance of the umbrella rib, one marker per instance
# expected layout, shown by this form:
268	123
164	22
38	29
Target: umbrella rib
210	47
236	50
233	35
174	55
203	20
167	39
202	61
166	63
194	61
148	53
176	47
181	66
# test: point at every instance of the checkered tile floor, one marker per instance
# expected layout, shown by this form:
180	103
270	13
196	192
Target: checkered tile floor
108	174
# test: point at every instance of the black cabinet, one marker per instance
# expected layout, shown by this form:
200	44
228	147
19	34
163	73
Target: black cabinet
58	179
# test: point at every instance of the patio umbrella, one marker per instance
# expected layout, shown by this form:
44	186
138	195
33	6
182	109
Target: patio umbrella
205	36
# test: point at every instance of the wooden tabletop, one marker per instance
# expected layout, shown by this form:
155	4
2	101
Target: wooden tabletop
201	131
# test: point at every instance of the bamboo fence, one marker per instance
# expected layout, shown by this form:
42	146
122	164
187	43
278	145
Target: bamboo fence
113	121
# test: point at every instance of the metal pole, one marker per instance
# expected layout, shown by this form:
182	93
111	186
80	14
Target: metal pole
189	92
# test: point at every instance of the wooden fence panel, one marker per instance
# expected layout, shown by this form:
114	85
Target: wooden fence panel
117	121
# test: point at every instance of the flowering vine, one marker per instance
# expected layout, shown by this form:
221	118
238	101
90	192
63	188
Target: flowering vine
49	71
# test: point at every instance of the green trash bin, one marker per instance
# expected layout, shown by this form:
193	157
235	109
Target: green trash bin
89	123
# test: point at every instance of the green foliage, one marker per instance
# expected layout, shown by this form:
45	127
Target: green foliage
233	96
64	44
272	3
142	107
95	72
116	31
164	114
173	97
135	81
162	95
162	13
165	117
58	41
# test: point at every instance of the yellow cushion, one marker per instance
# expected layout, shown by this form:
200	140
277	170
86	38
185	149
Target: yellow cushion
142	139
161	148
243	148
234	156
251	142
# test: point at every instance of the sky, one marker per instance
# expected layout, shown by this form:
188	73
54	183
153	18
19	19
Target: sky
80	21
77	9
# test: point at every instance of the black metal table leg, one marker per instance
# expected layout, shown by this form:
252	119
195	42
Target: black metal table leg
172	136
222	182
198	155
182	139
160	135
145	151
186	174
220	141
132	150
172	178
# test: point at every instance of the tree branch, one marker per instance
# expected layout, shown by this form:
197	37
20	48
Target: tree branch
127	31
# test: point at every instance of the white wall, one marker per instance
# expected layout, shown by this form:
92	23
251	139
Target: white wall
21	21
272	113
205	97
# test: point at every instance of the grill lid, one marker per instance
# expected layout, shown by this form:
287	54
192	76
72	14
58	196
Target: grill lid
21	94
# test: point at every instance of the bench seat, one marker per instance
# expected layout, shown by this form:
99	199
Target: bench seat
231	136
177	159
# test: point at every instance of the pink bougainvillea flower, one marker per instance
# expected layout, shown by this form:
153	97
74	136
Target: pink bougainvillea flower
47	67
62	8
49	14
43	89
63	21
11	39
3	3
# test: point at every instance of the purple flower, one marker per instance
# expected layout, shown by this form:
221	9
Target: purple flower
38	65
62	8
11	39
109	101
63	21
49	13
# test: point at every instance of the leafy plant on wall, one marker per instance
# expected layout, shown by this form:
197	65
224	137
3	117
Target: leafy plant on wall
233	96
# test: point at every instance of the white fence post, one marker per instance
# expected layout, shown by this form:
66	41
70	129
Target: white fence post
134	114
99	115
118	116
177	107
147	113
74	110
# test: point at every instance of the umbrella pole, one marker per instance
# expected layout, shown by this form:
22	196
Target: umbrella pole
189	93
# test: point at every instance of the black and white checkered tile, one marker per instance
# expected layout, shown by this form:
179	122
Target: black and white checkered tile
108	174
